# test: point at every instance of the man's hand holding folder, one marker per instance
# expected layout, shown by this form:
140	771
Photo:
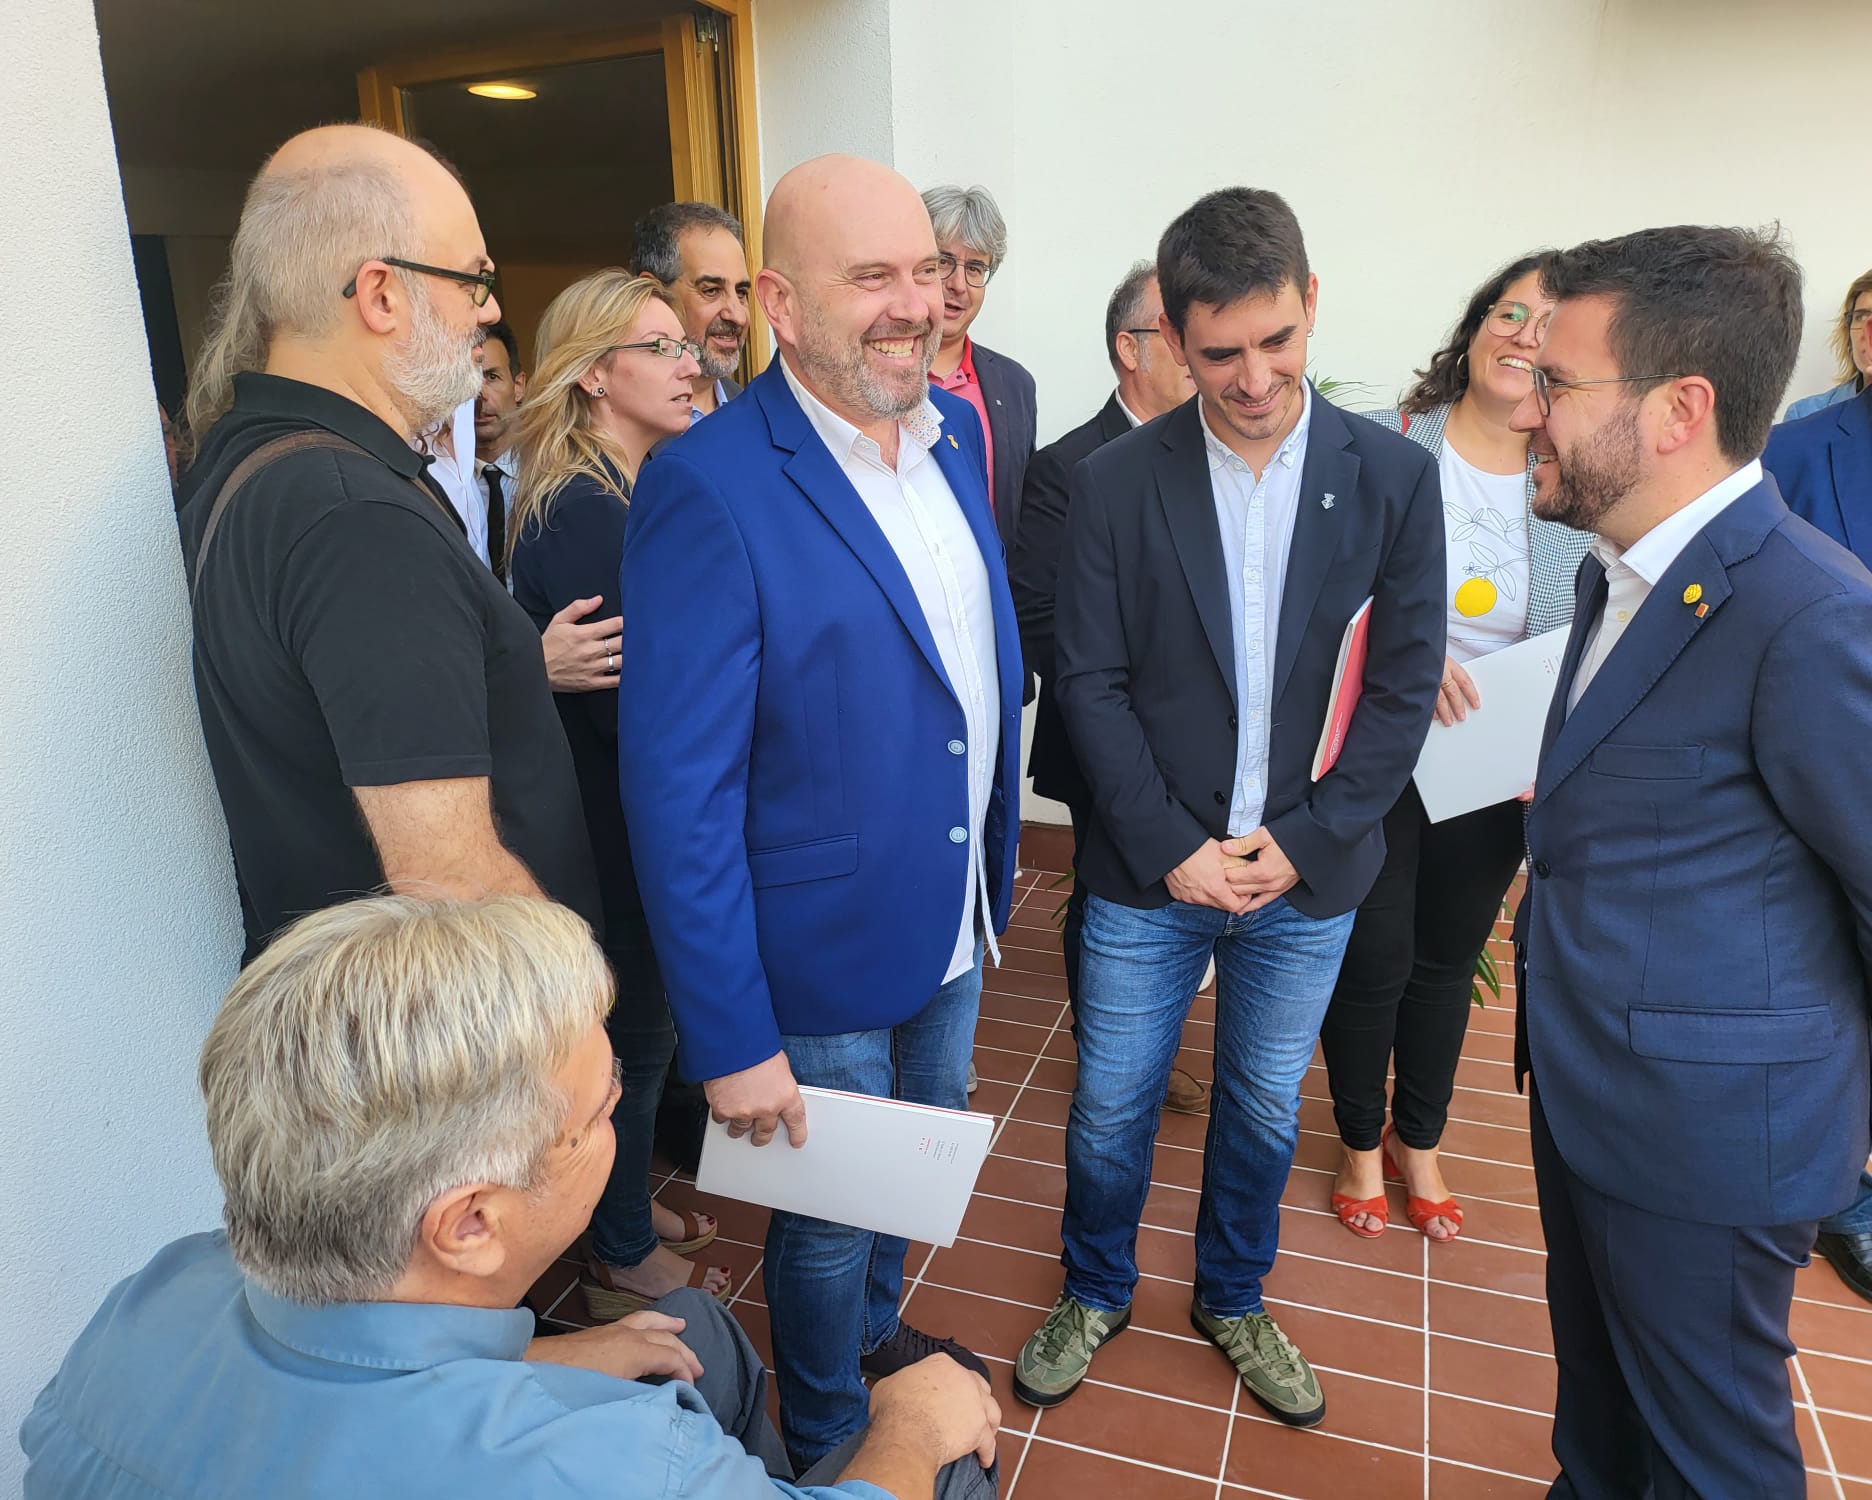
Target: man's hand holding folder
761	1099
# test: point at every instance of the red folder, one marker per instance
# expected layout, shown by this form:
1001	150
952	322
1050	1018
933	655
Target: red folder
1348	679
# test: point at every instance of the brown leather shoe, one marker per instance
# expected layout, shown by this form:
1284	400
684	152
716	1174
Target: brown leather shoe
1186	1093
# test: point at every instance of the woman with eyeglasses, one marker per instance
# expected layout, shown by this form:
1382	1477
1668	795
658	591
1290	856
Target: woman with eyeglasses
1402	1001
611	379
1852	347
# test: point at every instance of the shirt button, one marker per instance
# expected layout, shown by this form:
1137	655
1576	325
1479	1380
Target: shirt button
956	747
958	835
1221	801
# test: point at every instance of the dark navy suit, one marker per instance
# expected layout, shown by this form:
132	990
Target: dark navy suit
1695	944
1823	464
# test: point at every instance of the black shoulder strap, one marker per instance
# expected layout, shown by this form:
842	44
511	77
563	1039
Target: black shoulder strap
265	456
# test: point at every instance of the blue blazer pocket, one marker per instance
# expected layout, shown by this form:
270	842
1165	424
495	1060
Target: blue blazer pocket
817	859
1804	1034
1648	762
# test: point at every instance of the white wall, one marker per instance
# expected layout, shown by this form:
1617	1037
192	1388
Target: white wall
116	888
822	81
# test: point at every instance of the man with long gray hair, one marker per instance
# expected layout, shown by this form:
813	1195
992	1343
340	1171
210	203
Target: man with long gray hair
397	1173
375	705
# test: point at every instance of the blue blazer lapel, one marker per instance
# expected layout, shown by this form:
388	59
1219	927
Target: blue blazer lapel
812	467
1327	470
1188	500
962	467
1849	456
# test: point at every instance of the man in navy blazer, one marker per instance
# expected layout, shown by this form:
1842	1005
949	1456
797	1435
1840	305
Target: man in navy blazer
1697	927
1823	465
1213	560
819	726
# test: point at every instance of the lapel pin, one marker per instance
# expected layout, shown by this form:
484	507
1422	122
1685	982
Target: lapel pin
1326	504
952	442
1693	593
1702	610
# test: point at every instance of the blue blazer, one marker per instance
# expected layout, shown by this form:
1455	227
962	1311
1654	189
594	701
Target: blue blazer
1823	464
1698	924
789	743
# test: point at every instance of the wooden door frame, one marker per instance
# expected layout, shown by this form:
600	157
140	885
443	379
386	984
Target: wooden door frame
698	96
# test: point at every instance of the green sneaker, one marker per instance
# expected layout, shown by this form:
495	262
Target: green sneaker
1053	1362
1275	1373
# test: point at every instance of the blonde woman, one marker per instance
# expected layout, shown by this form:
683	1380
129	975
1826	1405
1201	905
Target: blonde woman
1852	347
611	374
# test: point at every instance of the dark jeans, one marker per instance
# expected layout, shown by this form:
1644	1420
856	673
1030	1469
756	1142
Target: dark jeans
734	1387
1671	1342
643	1038
1404	988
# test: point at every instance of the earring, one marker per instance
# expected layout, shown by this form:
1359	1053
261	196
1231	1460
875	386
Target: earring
597	390
1462	360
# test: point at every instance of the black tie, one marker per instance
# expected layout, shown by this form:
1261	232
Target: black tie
496	523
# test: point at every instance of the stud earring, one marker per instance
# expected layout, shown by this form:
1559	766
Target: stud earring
597	390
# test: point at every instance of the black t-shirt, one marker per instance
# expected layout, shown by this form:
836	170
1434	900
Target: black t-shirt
346	635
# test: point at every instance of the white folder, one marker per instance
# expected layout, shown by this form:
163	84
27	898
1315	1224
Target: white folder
877	1164
1492	755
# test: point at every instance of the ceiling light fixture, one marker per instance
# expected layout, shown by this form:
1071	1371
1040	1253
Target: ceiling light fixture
503	91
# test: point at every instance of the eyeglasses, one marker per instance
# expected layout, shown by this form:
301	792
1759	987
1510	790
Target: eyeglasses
1509	318
1858	318
1138	333
482	282
668	348
974	272
1545	387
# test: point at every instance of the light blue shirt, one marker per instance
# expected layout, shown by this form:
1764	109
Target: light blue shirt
192	1382
1808	405
1256	519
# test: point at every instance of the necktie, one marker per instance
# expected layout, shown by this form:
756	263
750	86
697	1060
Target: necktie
496	523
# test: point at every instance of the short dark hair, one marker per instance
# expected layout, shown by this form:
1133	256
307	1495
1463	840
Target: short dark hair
1703	300
656	238
1447	376
503	331
1238	242
1126	306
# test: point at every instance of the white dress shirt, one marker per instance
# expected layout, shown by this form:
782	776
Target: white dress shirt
508	463
456	473
1633	572
1256	517
1130	416
922	520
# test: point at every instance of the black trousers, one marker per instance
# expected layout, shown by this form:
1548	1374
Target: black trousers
1672	1343
1404	988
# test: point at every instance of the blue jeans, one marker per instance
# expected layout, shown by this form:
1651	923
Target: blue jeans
1856	1217
832	1290
643	1037
1275	970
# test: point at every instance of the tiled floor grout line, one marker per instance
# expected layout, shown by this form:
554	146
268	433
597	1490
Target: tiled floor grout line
1228	1436
1826	1448
1425	1251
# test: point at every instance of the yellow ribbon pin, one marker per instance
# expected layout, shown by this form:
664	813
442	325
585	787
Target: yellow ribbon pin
1693	593
952	442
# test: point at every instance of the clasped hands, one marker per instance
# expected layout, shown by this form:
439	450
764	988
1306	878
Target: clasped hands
1234	875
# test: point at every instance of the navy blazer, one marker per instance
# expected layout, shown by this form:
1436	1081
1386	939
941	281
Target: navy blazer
1033	573
791	751
1697	928
1008	393
1146	656
1823	464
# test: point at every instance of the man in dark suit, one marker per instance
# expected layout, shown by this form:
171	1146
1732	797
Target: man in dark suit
694	251
1696	931
1213	561
1823	465
1150	383
971	238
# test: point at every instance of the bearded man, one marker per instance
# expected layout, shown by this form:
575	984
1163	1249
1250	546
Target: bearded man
820	776
375	705
695	253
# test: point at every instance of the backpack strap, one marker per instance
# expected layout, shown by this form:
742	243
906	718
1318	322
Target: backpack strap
263	457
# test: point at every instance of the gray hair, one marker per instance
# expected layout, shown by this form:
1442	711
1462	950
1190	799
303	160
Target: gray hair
379	1054
303	234
1127	305
656	238
970	215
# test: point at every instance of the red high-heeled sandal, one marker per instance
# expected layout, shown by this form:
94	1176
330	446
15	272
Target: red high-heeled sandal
1420	1211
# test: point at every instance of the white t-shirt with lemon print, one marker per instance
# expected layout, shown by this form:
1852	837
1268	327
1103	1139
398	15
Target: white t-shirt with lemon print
1485	527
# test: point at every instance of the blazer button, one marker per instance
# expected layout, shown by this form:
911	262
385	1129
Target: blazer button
1234	723
956	747
958	835
1542	868
1221	801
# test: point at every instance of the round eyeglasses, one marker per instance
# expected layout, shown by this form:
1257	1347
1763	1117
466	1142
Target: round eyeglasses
1509	318
974	272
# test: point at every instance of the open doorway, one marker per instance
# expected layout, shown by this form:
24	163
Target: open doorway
633	102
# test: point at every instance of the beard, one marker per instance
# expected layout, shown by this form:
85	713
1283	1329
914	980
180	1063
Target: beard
839	367
1594	477
434	370
717	366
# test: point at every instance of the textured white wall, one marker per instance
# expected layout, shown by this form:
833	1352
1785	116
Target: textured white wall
116	889
822	80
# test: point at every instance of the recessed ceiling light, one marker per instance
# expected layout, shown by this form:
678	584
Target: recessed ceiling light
503	91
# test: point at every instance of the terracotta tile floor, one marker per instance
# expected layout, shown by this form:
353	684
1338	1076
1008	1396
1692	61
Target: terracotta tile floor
1436	1361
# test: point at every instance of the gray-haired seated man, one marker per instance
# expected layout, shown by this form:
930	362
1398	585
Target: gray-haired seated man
408	1106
